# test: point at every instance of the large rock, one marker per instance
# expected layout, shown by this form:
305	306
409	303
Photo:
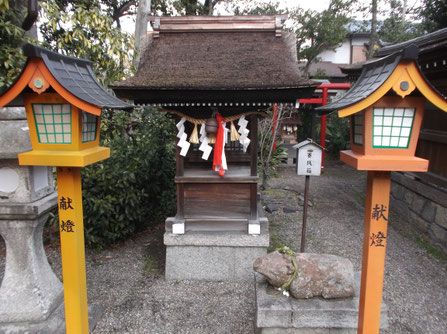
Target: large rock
329	276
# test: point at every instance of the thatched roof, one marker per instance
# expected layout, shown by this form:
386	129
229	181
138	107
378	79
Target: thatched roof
217	60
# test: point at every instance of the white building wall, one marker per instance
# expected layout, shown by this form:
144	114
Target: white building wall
360	41
341	56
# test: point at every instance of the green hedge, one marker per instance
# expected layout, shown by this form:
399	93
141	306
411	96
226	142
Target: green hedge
135	187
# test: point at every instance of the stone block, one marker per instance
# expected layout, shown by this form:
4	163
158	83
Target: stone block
271	207
14	133
23	184
289	209
28	211
408	197
307	331
54	324
418	222
12	113
418	204
214	256
413	185
397	190
429	211
438	234
276	313
400	207
441	216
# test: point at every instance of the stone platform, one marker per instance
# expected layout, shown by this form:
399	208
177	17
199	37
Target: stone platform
214	256
277	314
54	324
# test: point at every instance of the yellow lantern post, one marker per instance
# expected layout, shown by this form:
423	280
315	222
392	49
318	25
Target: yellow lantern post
63	103
386	108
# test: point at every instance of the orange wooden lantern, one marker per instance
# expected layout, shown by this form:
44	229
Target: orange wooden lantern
386	108
63	103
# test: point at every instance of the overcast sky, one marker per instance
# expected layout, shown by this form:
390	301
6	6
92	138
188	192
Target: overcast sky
128	23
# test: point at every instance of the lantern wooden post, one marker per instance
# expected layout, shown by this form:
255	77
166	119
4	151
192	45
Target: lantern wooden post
71	229
374	247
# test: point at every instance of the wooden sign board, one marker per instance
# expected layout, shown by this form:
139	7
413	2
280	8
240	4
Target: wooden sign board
309	156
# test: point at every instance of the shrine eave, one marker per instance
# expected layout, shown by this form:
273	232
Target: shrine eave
188	97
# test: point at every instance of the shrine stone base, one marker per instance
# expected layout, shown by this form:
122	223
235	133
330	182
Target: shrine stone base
278	314
214	256
54	324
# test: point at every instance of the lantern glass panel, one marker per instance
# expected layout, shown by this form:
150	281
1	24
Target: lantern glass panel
357	128
53	123
392	127
89	126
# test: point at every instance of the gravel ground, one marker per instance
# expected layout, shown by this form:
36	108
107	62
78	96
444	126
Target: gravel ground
127	280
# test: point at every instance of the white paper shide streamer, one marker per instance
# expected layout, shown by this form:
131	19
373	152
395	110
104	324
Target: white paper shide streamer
204	146
182	136
225	141
243	131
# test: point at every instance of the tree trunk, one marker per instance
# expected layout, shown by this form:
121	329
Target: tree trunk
373	37
143	11
21	4
404	10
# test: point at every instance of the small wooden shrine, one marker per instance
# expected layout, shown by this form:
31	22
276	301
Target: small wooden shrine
217	75
197	67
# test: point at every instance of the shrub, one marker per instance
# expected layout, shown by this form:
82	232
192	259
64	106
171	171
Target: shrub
135	187
337	133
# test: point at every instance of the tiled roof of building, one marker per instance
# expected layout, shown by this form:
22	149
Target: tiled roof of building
425	42
76	76
374	74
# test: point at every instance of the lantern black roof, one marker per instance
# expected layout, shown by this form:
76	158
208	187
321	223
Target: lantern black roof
374	74
76	76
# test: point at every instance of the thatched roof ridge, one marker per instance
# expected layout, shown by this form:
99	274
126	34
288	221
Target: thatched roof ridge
218	60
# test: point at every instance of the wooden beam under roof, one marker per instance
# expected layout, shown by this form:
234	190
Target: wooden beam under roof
172	24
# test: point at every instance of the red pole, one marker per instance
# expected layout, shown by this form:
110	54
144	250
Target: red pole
323	100
275	120
323	126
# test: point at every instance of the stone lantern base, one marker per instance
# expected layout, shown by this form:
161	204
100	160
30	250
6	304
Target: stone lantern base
278	314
